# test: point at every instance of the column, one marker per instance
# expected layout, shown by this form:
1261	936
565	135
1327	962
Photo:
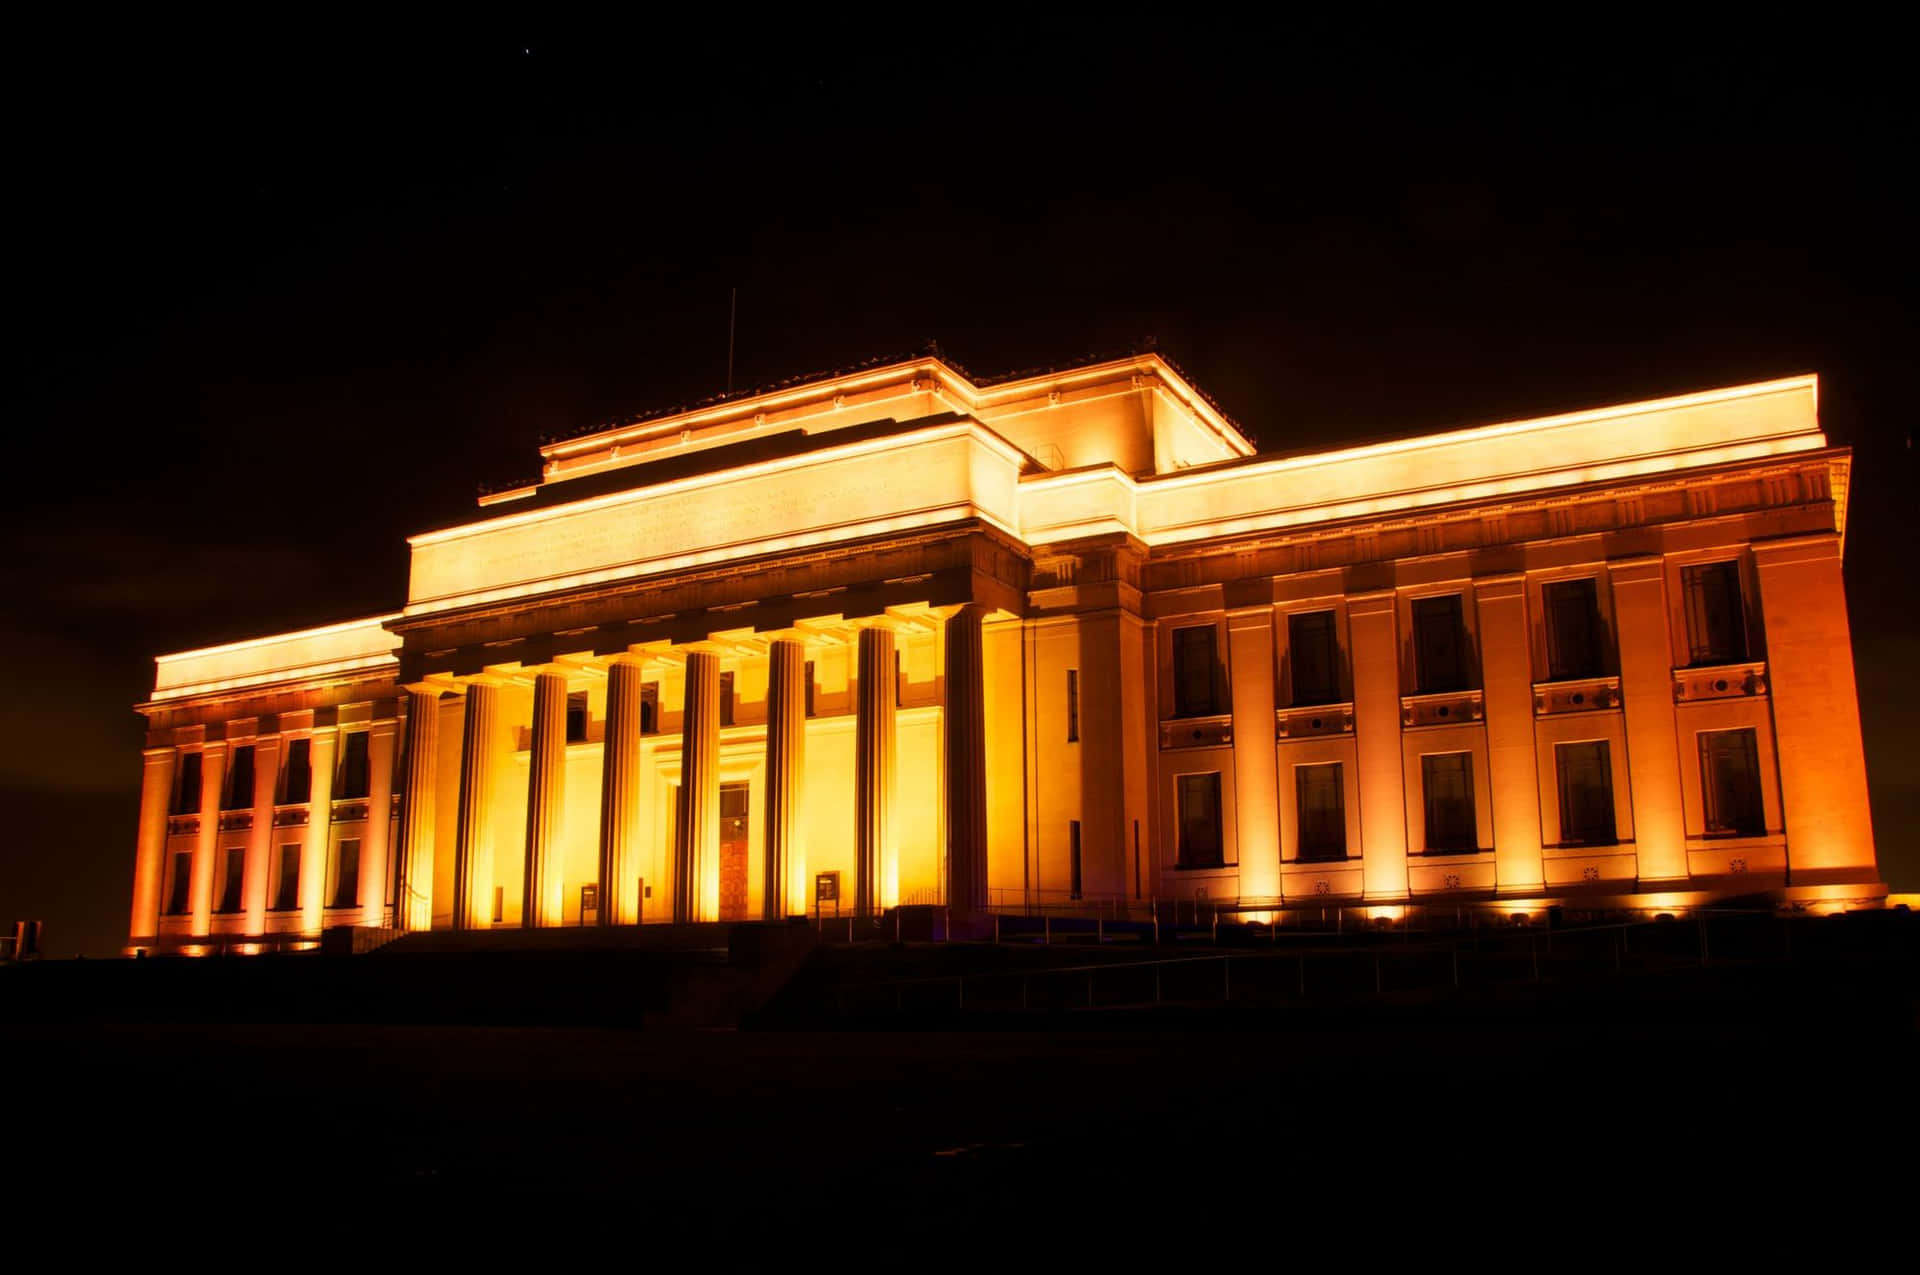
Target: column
696	830
266	783
417	801
1257	801
374	849
1816	709
784	889
1506	663
473	839
1646	696
966	730
876	883
1376	728
213	778
620	795
546	786
150	863
313	858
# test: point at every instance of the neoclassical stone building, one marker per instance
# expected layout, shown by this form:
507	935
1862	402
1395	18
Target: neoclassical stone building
900	635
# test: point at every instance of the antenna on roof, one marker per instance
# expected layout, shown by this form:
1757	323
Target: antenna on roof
733	308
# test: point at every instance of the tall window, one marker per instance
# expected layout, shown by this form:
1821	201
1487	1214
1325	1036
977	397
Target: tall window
1194	675
1320	796
1073	705
186	793
726	699
1716	620
1573	629
286	879
179	891
354	770
1447	781
1439	644
1313	652
1201	842
240	779
1586	793
299	777
809	677
1073	859
346	875
233	873
1730	783
577	717
650	708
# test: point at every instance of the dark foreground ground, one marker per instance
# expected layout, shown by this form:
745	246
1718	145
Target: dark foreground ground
1771	1105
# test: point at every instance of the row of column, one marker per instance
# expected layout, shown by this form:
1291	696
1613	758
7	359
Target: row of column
695	883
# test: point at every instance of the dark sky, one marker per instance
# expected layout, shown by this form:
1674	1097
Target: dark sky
277	304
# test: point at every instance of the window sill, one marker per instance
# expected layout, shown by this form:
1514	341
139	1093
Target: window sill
1582	849
1448	857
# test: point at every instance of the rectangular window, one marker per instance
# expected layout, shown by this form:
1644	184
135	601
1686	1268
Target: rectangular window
233	874
1073	706
298	783
180	889
809	675
354	770
1447	780
346	875
239	779
1573	629
1313	654
286	881
726	699
499	904
1201	841
1194	672
1073	858
1730	783
1716	620
1439	645
899	679
186	794
650	708
1320	797
1586	794
577	717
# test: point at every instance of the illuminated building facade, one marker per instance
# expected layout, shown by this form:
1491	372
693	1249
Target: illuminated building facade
901	636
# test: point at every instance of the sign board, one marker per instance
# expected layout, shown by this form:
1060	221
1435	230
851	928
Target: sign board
826	887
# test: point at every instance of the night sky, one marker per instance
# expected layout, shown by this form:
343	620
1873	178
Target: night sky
277	305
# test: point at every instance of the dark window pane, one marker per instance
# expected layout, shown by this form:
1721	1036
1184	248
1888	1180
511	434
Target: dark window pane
577	717
1321	797
354	769
650	708
178	897
1716	620
1193	672
1730	783
1073	705
186	793
346	875
286	887
240	779
726	699
1073	858
1573	629
1448	785
1313	651
233	871
1200	836
1586	794
299	772
809	688
1440	644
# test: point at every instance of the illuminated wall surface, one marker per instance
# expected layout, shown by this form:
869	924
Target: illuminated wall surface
1064	641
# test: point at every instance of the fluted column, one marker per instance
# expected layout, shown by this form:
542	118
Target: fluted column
213	781
784	889
1375	653
266	784
876	882
375	849
473	839
966	727
313	858
149	867
546	786
620	796
417	802
696	832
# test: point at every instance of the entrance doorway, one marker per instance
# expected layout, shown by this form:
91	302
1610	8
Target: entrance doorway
733	852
